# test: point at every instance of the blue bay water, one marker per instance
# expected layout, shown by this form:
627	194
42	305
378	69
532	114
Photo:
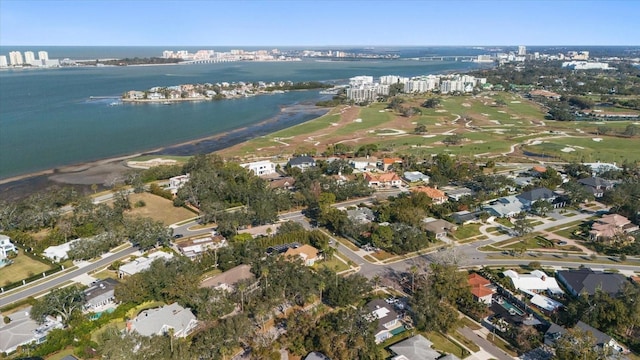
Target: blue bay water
48	121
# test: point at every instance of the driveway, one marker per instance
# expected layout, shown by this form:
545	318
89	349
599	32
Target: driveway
485	344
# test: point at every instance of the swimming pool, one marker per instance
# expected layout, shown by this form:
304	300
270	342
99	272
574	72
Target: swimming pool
512	309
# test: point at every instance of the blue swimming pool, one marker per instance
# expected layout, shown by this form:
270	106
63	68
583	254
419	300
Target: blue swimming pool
512	309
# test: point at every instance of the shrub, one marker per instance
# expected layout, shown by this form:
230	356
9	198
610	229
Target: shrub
6	320
140	203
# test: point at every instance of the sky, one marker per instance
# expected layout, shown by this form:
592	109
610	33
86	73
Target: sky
319	22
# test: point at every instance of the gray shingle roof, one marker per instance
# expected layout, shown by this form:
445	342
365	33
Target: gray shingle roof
155	321
416	347
601	338
537	194
587	280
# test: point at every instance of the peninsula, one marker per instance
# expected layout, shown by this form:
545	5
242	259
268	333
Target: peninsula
217	91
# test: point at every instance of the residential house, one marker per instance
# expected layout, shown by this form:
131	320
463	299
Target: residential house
281	249
262	230
596	185
286	182
316	356
386	317
364	163
439	228
307	253
302	162
414	348
384	180
481	288
588	281
610	226
100	294
457	194
22	330
602	340
361	215
544	303
195	247
415	176
142	263
437	196
228	279
389	162
176	182
159	321
6	247
505	207
466	217
528	198
58	252
535	282
260	168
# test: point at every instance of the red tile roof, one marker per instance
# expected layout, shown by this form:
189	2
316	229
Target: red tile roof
429	191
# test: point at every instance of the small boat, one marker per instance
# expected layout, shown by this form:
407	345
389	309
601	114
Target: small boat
115	103
167	103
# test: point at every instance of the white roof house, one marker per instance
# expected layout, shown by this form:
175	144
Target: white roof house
6	246
259	168
537	281
158	321
22	330
58	252
142	263
176	182
545	303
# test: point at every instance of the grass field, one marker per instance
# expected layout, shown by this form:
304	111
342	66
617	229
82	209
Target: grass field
180	159
22	267
441	343
158	208
333	264
467	231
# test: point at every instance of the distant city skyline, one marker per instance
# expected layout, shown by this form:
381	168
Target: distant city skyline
317	23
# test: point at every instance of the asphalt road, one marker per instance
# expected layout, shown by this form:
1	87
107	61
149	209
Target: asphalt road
18	294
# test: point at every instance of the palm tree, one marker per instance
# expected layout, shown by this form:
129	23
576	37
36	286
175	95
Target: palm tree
242	287
321	287
413	270
376	281
265	274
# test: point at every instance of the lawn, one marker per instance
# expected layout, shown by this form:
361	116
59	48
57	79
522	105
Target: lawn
585	148
383	255
467	231
22	268
532	242
464	341
334	264
567	225
504	221
441	343
105	274
502	345
308	127
158	208
370	119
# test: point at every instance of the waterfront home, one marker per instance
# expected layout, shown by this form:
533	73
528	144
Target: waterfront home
6	247
159	321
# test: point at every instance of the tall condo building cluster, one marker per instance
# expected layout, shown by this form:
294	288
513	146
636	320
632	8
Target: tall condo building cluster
16	59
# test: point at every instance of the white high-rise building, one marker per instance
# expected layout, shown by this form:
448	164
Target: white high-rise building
16	58
29	58
361	80
3	61
522	50
43	56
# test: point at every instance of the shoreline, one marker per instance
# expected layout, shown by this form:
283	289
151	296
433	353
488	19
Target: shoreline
101	171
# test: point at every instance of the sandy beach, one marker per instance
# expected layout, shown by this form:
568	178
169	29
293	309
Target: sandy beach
105	172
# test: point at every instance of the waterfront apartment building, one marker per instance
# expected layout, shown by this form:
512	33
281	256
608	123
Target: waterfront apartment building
522	50
393	79
361	80
29	58
16	58
3	61
43	56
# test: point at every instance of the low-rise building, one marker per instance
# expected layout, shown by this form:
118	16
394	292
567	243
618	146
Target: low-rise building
162	321
176	182
384	180
481	288
386	318
260	168
439	228
22	330
307	253
505	207
6	247
457	194
596	185
100	294
588	281
228	279
389	162
302	162
415	176
529	198
364	163
535	282
610	227
142	263
195	247
58	252
436	196
466	217
415	347
361	215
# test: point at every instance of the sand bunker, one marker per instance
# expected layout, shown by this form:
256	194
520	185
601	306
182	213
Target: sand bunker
428	136
502	112
441	111
568	149
597	139
485	114
515	102
536	142
358	120
495	122
466	104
